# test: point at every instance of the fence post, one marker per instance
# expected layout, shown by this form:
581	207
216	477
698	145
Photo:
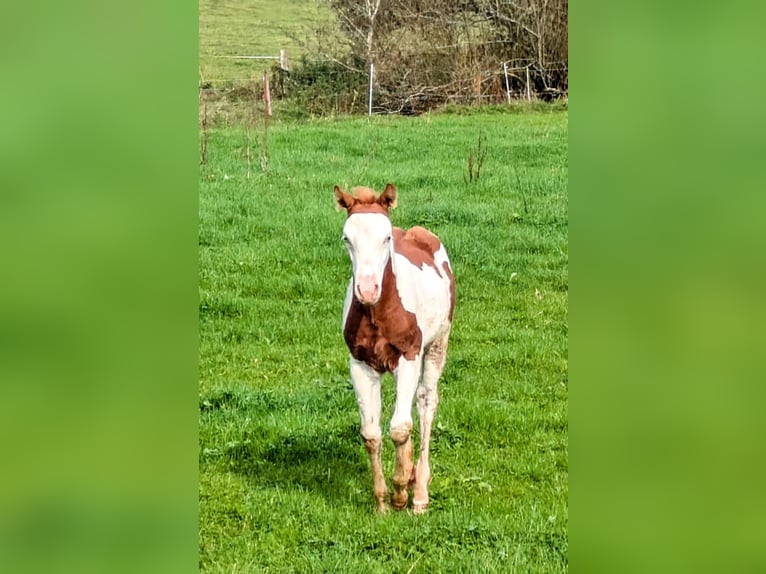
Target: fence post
507	83
283	63
369	95
529	94
266	94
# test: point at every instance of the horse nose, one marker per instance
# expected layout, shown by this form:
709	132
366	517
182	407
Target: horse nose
368	293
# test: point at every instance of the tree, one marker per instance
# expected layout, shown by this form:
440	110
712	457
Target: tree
358	21
428	52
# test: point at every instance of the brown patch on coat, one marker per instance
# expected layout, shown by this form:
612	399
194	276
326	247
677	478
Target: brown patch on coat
365	200
419	246
380	334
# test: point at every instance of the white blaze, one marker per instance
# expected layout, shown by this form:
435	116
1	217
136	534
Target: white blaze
368	239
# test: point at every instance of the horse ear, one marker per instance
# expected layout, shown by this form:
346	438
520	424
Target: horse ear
343	200
388	198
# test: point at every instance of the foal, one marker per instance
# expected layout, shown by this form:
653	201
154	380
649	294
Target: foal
396	318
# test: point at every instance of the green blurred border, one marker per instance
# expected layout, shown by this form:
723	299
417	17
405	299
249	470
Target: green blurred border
666	239
98	305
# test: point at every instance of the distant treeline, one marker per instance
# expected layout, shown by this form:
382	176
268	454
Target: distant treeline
430	52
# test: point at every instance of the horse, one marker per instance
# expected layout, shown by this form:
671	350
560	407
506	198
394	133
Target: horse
397	317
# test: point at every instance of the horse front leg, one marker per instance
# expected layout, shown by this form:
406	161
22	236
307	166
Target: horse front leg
366	383
407	375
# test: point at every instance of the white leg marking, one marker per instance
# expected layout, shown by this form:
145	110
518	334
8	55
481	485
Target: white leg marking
366	383
407	375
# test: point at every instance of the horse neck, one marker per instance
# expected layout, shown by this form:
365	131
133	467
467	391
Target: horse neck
388	295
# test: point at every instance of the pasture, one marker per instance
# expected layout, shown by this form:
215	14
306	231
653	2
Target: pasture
244	28
284	479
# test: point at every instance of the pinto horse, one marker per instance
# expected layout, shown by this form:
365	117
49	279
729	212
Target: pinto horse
396	318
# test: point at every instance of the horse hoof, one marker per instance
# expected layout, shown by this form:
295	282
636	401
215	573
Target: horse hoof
399	500
419	507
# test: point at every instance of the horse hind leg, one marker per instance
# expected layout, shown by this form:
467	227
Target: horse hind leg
428	400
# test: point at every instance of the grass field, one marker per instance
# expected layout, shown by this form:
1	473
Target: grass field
284	478
245	28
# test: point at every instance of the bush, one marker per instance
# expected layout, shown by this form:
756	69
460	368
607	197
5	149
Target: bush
322	87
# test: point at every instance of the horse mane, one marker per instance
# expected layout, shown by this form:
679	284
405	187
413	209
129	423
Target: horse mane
365	195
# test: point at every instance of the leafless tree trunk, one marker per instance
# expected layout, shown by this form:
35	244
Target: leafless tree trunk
358	20
372	7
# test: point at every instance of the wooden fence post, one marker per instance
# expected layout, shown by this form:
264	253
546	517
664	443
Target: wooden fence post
266	94
283	63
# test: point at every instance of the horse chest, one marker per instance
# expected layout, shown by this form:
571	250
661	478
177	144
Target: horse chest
380	337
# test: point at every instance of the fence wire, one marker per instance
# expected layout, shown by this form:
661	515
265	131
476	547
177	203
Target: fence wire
327	87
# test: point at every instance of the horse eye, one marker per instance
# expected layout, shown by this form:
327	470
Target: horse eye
388	238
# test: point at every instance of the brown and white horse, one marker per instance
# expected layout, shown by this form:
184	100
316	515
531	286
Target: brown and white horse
396	318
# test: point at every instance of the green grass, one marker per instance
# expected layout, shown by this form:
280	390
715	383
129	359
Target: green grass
284	478
245	28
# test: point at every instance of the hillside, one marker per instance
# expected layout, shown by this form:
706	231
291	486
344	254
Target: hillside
249	28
